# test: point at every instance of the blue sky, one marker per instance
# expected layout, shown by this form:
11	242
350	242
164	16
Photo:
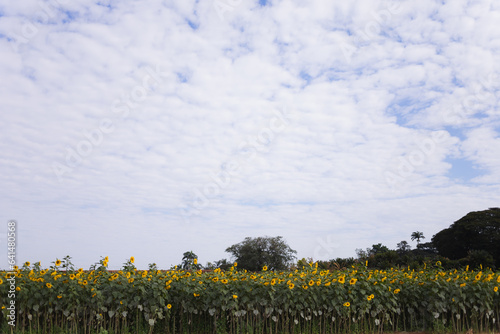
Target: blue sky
152	128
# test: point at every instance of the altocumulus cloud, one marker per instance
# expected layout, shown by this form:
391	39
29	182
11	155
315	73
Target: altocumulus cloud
121	119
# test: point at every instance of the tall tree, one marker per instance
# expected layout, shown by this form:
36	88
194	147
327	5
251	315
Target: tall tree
189	261
255	253
417	236
476	231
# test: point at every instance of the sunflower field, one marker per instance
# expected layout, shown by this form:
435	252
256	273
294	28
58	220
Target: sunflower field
63	299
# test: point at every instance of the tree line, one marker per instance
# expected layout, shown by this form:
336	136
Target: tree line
473	240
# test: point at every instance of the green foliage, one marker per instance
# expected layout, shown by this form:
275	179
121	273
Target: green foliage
190	261
255	253
417	236
477	231
311	300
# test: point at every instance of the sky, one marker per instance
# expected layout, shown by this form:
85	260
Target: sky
152	128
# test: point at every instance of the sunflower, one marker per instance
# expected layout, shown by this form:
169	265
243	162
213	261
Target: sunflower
195	261
342	280
235	296
132	259
18	288
353	281
169	306
196	294
215	279
396	291
224	281
59	297
27	264
495	289
48	285
264	268
311	283
84	282
58	262
304	287
131	280
71	276
291	286
347	304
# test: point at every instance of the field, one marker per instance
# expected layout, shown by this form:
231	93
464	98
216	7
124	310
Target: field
63	299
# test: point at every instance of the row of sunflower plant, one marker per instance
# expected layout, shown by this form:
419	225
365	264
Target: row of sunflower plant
62	298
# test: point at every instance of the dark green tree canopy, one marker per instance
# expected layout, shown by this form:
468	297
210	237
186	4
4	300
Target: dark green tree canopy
417	235
477	231
254	253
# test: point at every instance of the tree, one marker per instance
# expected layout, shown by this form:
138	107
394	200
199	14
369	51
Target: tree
476	231
417	236
255	253
403	247
189	261
378	249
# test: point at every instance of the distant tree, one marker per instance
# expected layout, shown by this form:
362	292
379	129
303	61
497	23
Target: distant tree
223	264
476	231
362	254
189	261
403	247
378	249
417	236
255	253
426	248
